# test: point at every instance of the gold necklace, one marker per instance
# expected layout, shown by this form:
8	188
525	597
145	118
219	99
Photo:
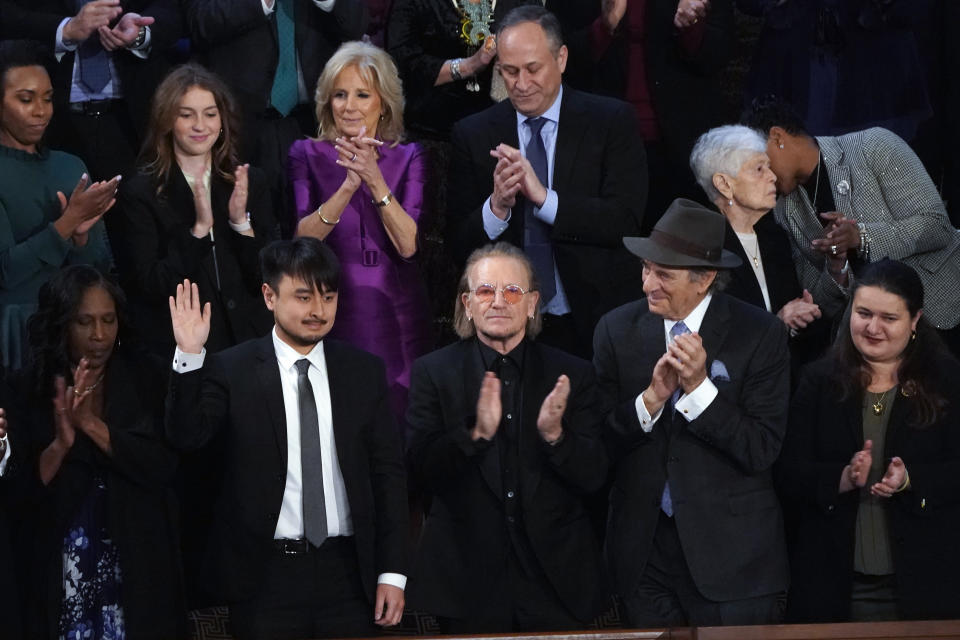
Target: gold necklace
878	406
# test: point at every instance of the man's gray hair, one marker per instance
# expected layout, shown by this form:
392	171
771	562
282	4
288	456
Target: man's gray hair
723	150
536	14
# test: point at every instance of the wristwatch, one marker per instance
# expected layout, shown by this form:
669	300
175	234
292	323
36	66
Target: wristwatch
141	38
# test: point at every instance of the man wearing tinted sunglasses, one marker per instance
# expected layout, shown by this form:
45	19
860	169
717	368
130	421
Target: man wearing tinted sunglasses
503	436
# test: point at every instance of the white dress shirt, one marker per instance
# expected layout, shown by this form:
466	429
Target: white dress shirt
112	89
290	520
547	212
690	405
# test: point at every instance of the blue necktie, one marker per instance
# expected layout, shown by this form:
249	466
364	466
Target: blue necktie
311	459
94	61
536	235
666	503
285	94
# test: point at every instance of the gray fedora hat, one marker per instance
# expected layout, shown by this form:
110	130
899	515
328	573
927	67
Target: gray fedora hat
688	235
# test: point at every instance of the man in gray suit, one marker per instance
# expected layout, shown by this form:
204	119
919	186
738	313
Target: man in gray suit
853	199
696	386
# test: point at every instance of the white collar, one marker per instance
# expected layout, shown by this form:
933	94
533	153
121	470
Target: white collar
287	356
552	114
694	319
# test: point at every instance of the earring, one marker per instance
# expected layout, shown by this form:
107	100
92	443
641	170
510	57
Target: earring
730	202
781	145
913	335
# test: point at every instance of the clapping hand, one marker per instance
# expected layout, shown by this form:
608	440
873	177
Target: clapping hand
893	480
125	33
91	17
237	207
489	408
63	398
359	155
85	207
854	475
191	323
530	185
201	205
689	12
687	355
840	236
799	312
550	420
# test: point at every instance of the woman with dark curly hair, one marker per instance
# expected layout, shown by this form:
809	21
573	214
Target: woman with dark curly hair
869	465
103	552
193	212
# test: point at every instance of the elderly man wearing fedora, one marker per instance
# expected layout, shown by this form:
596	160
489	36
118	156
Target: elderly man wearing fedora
695	384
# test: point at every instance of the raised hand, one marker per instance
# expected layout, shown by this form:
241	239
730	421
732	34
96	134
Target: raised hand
893	480
550	420
237	206
191	323
489	408
125	33
90	18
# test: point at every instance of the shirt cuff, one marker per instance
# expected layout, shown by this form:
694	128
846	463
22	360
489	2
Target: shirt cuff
548	212
267	10
61	47
6	454
187	362
397	580
327	5
696	402
493	225
646	420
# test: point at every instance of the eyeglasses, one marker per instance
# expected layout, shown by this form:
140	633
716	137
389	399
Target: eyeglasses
512	293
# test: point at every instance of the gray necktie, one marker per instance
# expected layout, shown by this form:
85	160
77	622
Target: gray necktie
536	237
311	461
666	502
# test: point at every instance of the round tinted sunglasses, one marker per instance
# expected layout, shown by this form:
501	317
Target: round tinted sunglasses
512	293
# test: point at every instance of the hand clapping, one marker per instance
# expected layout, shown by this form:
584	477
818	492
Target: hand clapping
550	420
358	155
489	408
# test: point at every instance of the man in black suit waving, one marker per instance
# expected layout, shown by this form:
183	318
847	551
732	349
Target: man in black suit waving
696	386
556	171
504	435
311	528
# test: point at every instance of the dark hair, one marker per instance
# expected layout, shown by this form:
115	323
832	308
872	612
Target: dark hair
47	328
537	14
22	53
305	258
769	111
917	373
157	154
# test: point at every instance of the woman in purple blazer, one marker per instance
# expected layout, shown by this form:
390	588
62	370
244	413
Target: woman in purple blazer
360	190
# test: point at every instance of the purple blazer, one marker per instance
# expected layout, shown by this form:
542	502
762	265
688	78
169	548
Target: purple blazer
383	305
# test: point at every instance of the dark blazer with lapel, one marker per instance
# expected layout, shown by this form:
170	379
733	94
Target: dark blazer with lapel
9	591
156	251
39	19
140	505
719	465
781	276
239	391
825	431
238	42
600	176
465	543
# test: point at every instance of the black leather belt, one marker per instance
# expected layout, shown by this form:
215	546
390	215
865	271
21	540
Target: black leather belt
291	547
94	108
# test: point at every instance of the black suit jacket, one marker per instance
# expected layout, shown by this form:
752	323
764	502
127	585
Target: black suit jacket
239	391
600	177
778	268
825	431
719	464
39	19
156	251
238	42
462	555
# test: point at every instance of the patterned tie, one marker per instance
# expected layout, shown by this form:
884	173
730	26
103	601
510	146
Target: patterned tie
94	61
284	94
311	460
666	503
536	235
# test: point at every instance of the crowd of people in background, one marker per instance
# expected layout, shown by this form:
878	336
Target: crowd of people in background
698	362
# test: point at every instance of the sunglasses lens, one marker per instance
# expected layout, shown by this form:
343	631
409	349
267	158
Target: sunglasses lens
512	294
485	293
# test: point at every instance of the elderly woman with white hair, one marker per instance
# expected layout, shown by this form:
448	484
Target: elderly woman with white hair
730	163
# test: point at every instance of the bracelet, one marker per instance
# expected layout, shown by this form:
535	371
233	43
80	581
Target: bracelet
863	251
384	201
324	220
906	481
455	68
243	226
553	443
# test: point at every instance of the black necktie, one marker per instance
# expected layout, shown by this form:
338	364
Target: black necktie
536	236
311	462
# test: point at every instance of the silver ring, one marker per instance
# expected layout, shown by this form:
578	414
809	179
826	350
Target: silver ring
354	158
833	249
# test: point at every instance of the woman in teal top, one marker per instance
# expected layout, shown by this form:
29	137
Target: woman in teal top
41	229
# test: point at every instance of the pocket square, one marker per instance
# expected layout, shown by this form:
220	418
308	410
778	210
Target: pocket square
718	371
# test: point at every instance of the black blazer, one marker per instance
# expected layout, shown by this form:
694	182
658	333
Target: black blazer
825	431
239	391
156	251
239	43
719	465
462	554
140	504
9	581
600	176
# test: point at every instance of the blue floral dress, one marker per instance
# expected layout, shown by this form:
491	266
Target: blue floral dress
90	608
